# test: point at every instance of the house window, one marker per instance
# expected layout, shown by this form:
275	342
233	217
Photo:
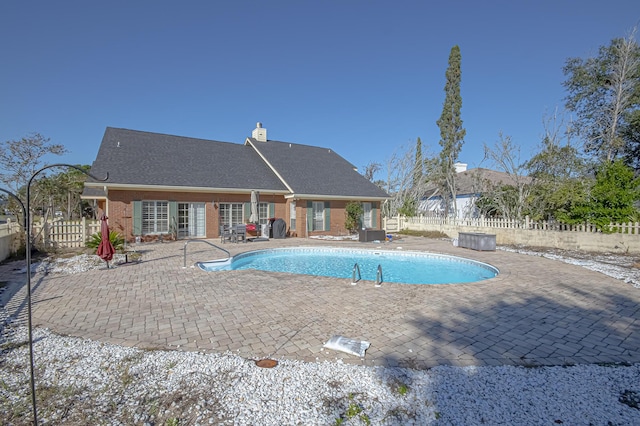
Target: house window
155	217
263	213
367	221
231	214
318	216
292	215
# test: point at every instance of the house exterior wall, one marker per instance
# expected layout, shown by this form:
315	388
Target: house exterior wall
465	206
337	218
119	209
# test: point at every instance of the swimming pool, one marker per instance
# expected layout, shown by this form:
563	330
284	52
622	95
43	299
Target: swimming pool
397	267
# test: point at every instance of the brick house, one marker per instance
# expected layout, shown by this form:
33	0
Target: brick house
162	185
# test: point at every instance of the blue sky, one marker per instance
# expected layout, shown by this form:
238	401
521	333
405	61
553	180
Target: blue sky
364	78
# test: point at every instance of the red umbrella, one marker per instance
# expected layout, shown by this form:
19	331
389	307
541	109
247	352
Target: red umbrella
105	249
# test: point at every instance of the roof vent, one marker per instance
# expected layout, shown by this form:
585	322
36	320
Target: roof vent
259	133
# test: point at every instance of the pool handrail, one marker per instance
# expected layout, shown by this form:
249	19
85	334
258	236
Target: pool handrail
184	262
379	276
356	267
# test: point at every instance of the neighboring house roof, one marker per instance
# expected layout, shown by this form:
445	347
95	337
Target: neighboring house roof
136	159
475	181
310	170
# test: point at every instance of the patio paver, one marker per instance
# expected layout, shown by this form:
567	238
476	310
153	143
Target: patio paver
536	312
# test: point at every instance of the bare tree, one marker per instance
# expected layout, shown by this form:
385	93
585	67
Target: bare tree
624	88
509	197
559	171
604	91
371	169
406	192
20	159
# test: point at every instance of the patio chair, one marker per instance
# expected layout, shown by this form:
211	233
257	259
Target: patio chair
225	233
240	232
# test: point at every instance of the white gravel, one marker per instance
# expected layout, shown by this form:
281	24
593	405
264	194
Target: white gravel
80	381
615	265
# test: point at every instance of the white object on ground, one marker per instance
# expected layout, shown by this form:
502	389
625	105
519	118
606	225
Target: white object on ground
350	346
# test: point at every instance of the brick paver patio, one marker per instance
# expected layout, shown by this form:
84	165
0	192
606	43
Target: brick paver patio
536	312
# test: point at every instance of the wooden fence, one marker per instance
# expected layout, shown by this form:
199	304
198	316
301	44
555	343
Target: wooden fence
65	233
624	237
52	234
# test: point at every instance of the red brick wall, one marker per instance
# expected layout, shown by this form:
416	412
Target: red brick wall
120	210
338	211
120	207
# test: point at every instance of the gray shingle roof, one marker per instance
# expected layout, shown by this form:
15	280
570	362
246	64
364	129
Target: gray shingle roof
475	181
142	158
137	158
314	170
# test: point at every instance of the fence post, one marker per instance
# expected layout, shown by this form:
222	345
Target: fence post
45	233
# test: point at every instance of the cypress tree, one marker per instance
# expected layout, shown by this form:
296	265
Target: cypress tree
418	172
451	131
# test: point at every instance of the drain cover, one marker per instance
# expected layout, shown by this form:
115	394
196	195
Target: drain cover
266	363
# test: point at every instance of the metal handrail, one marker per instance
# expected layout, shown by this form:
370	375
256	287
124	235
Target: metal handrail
184	262
379	276
356	267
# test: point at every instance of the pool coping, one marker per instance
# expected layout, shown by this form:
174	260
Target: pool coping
356	252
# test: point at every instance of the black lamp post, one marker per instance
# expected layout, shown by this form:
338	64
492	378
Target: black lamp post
27	227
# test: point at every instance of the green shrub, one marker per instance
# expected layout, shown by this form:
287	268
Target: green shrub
116	240
353	213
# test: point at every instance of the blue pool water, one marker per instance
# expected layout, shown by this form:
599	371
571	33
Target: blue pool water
397	267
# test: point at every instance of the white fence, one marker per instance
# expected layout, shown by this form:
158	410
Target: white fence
65	233
404	222
624	237
50	234
8	233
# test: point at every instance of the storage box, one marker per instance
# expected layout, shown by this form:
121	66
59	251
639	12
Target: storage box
477	241
366	235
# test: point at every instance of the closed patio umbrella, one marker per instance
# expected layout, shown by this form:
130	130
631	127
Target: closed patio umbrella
255	217
105	249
